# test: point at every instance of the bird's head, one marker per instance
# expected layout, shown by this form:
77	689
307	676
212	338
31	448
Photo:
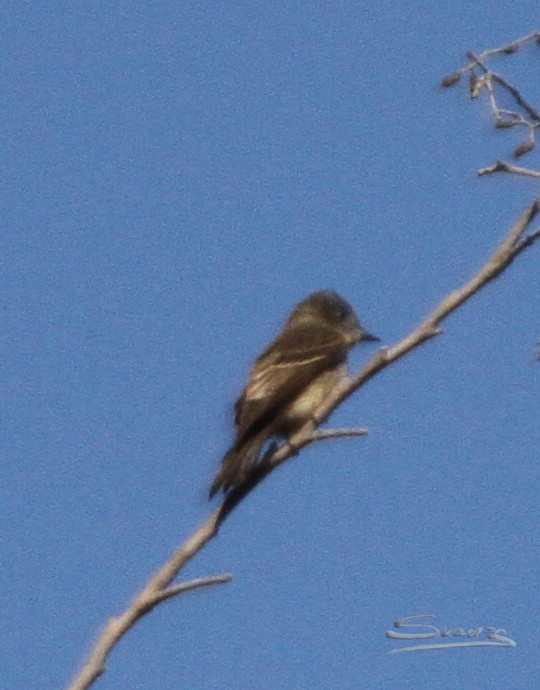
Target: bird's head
327	308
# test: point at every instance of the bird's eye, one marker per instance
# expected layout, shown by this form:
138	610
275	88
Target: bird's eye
341	313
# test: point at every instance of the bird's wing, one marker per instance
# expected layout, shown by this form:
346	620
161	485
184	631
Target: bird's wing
282	372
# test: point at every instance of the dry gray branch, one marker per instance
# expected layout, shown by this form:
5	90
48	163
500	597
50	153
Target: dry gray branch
326	434
503	166
176	590
117	626
483	78
508	49
159	586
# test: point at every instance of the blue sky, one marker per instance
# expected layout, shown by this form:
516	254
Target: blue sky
175	177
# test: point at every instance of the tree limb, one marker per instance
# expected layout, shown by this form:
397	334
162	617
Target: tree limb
159	587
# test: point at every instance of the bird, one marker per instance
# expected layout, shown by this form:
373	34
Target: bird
290	380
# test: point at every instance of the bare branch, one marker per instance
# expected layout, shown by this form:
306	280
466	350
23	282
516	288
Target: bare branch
503	166
151	595
158	588
528	241
512	90
508	49
483	78
176	590
326	434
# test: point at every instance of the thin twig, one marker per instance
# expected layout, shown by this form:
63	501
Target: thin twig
529	109
478	61
482	77
507	49
326	434
503	166
149	597
184	587
528	241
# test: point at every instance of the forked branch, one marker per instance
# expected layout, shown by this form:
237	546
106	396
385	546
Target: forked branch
523	116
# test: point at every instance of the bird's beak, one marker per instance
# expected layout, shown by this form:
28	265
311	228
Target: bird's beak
369	338
359	335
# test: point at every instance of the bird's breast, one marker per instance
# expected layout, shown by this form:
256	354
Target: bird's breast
303	407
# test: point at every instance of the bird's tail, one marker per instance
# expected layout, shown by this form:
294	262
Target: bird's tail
236	465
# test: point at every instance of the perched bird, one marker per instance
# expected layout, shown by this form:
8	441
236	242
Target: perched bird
290	379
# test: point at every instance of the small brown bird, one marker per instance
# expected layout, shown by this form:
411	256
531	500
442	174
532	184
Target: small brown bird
291	378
